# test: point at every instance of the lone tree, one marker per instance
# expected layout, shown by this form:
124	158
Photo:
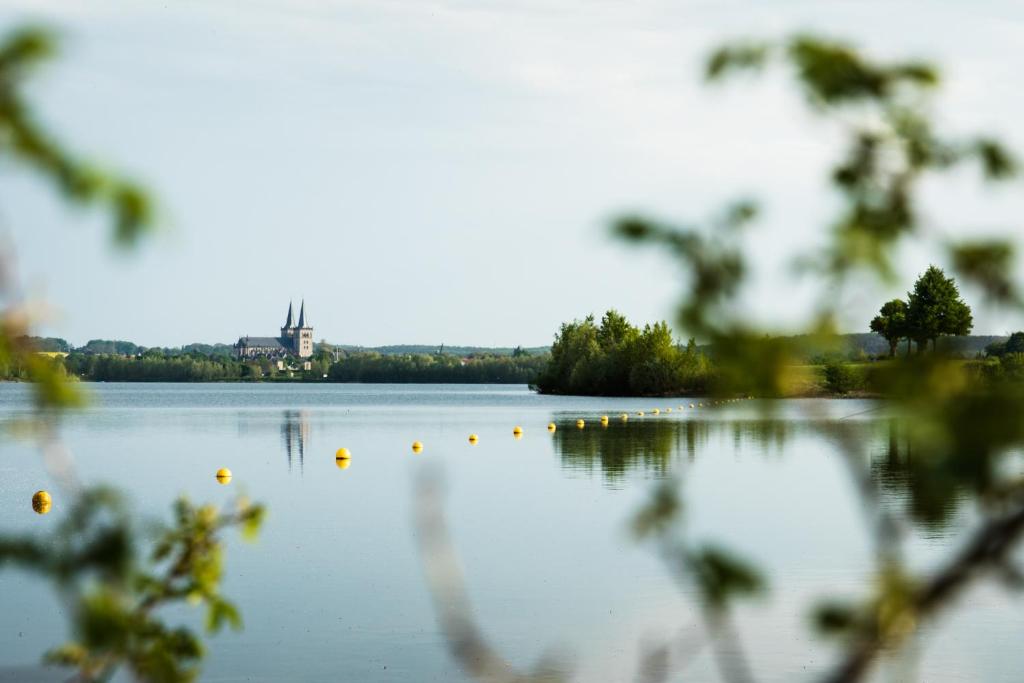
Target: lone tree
891	323
935	308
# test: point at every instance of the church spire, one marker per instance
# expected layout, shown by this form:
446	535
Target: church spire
289	323
302	314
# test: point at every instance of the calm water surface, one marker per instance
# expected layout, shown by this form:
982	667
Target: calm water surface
334	591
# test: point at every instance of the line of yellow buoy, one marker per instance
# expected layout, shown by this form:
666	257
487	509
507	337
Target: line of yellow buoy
42	502
343	458
517	431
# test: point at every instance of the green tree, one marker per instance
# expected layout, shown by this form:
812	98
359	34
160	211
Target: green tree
616	358
891	323
935	309
1015	344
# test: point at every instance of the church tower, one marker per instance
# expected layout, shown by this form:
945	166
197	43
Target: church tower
288	331
302	333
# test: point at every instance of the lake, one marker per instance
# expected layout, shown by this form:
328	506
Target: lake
334	588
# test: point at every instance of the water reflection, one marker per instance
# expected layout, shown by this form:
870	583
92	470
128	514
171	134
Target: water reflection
903	482
295	431
621	447
648	447
931	491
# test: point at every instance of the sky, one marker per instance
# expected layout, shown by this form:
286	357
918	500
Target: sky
446	171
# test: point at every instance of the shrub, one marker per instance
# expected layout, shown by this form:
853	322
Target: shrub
841	378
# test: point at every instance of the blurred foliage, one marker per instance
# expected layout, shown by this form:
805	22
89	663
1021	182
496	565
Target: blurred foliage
883	111
22	51
719	576
960	424
24	140
114	599
616	358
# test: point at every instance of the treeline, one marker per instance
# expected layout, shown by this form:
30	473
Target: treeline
47	344
119	347
426	368
616	358
442	349
1012	345
358	367
154	368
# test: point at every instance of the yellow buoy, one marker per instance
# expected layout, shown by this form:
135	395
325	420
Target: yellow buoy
342	454
640	413
517	431
604	420
656	411
417	446
625	417
473	438
223	475
41	502
343	463
551	426
691	405
581	424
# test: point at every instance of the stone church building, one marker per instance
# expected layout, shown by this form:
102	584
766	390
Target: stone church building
296	340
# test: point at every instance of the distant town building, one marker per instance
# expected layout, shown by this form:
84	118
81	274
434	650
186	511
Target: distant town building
296	340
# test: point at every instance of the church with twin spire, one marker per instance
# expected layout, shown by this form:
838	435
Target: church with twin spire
296	340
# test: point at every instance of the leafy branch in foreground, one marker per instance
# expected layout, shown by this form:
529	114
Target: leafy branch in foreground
115	599
962	430
883	112
962	427
25	140
23	137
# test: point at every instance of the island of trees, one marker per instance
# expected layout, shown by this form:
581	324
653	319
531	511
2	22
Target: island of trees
616	358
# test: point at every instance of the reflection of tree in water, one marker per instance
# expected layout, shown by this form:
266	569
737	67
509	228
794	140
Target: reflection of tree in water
294	435
922	478
622	447
649	446
916	486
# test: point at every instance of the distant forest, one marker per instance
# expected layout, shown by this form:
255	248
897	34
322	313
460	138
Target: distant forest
852	345
118	360
353	367
127	348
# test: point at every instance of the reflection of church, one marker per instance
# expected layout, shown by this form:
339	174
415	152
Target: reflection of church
294	434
